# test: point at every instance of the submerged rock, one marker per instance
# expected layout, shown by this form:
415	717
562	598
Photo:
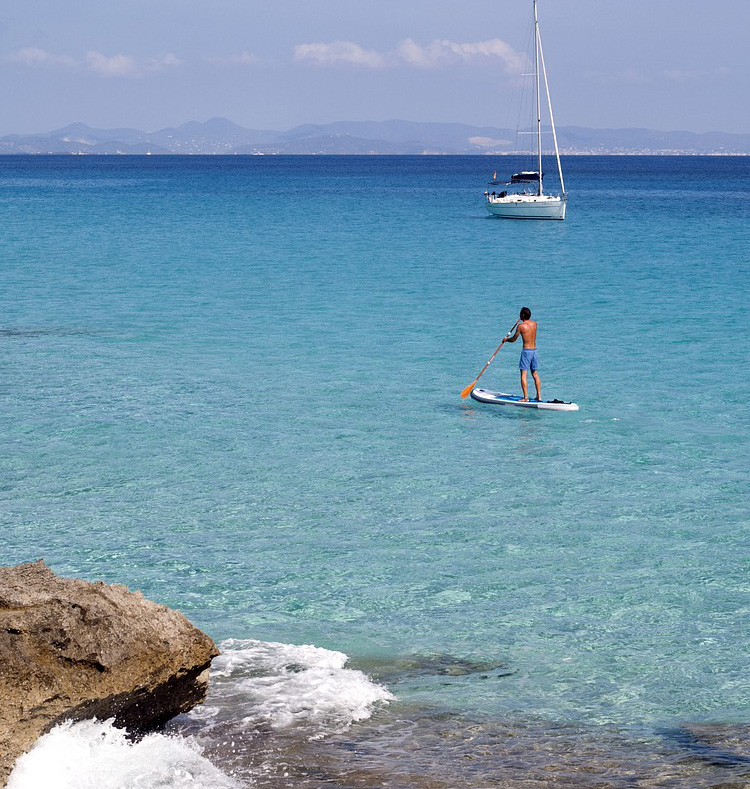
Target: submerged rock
415	666
721	745
71	650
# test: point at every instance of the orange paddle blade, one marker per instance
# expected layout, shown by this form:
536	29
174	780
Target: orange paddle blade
468	389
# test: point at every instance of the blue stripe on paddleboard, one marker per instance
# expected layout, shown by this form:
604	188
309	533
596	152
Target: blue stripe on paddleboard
485	396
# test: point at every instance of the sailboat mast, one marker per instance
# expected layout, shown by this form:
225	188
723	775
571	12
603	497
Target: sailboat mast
551	116
538	99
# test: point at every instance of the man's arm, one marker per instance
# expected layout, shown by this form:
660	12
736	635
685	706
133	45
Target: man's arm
508	338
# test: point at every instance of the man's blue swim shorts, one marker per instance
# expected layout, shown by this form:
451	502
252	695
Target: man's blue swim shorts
529	360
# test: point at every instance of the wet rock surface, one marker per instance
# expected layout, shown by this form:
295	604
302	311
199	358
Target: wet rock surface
420	748
423	746
72	649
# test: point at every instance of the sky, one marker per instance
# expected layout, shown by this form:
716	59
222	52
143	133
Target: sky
149	64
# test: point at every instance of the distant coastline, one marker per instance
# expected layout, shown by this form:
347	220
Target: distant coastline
220	136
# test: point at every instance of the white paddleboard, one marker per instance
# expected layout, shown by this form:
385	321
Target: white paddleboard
501	398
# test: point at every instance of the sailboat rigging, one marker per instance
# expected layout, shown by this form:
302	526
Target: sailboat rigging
532	204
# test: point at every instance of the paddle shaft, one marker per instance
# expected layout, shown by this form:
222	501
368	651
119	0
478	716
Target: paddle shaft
467	391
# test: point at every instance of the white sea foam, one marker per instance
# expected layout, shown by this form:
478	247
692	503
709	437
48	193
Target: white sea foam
96	755
253	683
281	685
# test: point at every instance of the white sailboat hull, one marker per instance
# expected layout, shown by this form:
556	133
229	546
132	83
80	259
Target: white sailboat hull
519	206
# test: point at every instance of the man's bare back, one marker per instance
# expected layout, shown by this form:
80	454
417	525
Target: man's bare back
527	330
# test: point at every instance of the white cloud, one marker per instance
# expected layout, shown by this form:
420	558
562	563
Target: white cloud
338	52
629	76
243	59
127	65
31	56
438	53
677	75
489	142
634	76
441	52
114	66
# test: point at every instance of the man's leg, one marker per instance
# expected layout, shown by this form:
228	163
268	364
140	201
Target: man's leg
524	385
538	382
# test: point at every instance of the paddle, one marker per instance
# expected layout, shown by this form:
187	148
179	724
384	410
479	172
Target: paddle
466	392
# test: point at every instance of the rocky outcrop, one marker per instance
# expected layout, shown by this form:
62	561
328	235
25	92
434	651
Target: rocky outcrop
71	649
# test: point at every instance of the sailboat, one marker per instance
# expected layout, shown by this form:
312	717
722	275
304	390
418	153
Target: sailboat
531	202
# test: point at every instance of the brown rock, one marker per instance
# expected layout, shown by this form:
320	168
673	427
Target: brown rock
71	649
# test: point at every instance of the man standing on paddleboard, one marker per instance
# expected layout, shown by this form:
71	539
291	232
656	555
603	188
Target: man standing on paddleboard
529	361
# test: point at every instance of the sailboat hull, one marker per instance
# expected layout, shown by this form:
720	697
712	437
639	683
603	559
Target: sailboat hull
515	206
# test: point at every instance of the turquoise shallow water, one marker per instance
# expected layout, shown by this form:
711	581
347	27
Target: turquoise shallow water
234	383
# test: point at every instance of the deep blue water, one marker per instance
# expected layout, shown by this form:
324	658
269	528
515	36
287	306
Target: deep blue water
234	383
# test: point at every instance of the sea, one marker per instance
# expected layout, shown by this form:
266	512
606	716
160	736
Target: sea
234	383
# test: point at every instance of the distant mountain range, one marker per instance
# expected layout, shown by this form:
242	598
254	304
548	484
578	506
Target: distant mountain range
221	136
